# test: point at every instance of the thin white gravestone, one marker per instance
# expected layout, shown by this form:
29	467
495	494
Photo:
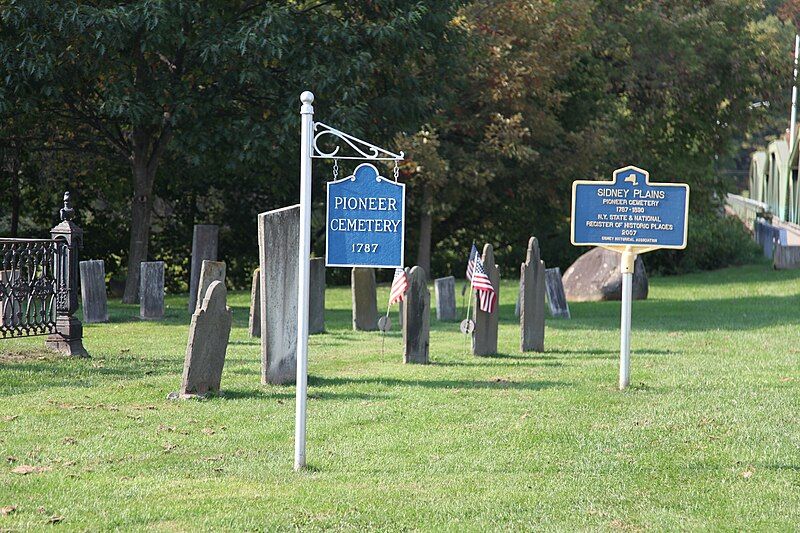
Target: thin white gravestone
316	296
151	290
531	300
254	326
93	291
210	272
205	241
209	333
445	289
416	318
484	336
556	299
278	242
365	299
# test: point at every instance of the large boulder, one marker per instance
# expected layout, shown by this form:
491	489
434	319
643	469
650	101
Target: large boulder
595	276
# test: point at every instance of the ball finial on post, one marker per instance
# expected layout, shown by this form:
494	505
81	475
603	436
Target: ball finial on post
307	97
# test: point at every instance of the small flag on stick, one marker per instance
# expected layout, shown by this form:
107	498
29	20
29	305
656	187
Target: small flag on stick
473	255
487	297
399	286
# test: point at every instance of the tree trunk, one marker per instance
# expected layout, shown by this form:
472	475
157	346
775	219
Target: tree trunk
425	228
147	148
141	211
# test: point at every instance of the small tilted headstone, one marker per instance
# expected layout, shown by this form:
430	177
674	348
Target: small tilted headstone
151	290
484	336
416	318
94	299
210	272
209	333
531	300
316	295
555	293
445	289
278	242
205	239
254	326
365	299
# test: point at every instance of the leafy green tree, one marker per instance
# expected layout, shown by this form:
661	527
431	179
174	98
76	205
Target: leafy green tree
136	82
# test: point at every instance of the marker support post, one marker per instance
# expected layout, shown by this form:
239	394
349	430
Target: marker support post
626	267
304	252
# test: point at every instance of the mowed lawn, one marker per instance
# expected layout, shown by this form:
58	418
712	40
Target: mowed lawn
708	436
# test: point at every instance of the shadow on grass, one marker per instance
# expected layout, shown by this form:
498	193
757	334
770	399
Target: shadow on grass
318	381
289	395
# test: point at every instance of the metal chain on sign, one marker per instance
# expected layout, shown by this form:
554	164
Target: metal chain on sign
396	170
335	169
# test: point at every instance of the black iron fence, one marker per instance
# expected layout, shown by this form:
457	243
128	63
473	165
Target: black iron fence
28	286
39	286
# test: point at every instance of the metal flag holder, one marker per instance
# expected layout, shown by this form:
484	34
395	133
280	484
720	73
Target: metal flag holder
310	133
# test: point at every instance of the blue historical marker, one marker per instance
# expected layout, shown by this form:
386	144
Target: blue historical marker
629	211
366	221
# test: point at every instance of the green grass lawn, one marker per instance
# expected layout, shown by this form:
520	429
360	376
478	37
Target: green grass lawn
708	435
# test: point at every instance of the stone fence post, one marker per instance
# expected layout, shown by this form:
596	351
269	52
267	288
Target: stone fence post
68	338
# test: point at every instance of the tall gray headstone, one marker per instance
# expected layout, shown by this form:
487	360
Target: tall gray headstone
416	318
445	289
278	242
365	299
210	272
209	333
484	337
205	240
316	296
151	290
531	300
556	299
255	305
93	291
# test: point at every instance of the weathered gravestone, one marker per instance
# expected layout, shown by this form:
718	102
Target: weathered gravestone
556	299
210	272
205	241
209	333
596	276
93	291
484	337
416	318
531	300
365	299
278	242
254	326
316	295
445	289
151	290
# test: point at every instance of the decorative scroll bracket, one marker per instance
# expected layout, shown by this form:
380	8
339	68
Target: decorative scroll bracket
366	151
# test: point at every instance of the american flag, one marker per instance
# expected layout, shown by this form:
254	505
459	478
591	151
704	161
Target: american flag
399	286
473	254
486	294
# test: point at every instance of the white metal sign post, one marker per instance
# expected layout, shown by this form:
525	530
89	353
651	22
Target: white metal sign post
306	131
630	216
309	150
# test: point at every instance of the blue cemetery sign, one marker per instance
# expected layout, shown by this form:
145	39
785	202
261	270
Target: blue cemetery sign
366	221
630	211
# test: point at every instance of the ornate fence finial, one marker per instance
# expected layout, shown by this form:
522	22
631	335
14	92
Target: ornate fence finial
67	212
